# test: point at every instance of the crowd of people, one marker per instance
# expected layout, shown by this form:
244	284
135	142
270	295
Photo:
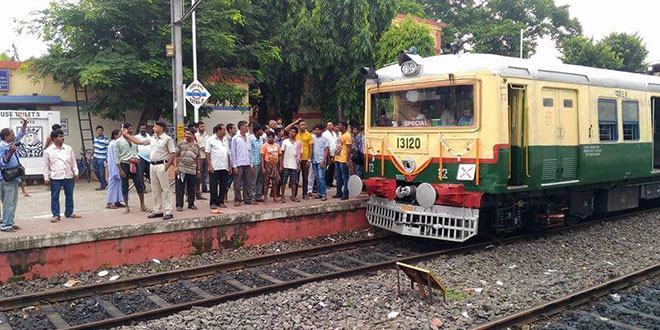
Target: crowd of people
260	162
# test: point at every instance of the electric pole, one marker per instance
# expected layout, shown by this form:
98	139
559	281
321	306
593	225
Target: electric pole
177	67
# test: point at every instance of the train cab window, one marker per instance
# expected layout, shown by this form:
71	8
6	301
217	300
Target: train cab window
607	120
568	103
444	106
630	120
548	102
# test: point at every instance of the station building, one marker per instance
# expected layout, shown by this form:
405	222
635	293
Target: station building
45	100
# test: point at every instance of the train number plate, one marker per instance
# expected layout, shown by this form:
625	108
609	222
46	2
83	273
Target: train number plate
414	144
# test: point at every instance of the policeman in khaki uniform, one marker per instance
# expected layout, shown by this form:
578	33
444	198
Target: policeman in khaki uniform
162	156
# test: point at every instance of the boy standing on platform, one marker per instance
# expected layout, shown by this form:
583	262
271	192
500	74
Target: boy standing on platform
60	170
270	165
99	156
320	155
290	161
257	184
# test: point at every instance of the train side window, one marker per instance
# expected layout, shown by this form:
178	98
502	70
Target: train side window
607	120
568	103
630	120
548	102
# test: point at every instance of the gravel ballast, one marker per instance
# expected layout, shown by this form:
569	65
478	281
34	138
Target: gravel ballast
482	285
151	267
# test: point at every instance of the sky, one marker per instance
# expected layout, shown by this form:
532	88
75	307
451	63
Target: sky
598	18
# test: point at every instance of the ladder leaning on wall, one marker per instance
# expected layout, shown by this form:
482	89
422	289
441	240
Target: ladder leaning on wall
85	126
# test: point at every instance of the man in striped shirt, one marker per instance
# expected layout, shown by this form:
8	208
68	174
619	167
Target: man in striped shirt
99	156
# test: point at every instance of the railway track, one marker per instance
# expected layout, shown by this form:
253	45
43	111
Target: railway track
124	301
617	316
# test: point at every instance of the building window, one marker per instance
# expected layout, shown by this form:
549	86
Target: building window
630	120
548	102
607	120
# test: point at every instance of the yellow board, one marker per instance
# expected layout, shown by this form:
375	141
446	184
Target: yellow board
179	132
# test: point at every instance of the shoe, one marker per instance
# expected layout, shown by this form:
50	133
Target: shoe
120	205
344	198
179	209
111	206
201	198
237	204
336	196
192	207
11	229
324	198
222	205
155	215
73	216
16	227
54	219
250	202
168	217
214	207
99	189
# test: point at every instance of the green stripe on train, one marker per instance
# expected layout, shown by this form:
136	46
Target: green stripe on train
548	167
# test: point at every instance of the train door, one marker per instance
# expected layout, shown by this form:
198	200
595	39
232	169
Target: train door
655	111
517	139
560	117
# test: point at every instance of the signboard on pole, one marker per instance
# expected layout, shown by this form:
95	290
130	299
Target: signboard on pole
4	80
196	94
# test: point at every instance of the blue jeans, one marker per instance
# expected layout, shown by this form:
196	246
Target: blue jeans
55	187
9	192
341	171
319	178
99	171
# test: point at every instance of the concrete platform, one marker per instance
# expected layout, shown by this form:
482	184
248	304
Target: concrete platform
111	238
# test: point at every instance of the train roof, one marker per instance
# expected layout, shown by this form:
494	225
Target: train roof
524	68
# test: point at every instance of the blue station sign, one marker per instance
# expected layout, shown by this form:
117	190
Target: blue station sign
4	80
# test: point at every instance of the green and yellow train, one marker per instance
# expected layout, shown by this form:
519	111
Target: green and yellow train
458	145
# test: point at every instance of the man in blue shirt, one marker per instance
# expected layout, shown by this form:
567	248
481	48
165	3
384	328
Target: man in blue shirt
99	156
9	160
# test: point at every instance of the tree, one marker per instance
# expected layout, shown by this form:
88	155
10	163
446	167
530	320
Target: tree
493	26
401	37
630	49
115	48
581	50
617	51
5	57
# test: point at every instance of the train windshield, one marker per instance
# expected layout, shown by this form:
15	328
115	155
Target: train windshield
444	106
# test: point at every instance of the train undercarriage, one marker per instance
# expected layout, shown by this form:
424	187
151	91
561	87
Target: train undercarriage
501	214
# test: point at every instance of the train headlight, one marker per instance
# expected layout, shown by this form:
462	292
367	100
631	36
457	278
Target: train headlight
409	68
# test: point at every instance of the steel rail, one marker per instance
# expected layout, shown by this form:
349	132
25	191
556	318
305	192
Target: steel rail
16	302
127	319
12	303
570	301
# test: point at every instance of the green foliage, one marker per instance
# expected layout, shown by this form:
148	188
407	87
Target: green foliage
617	51
401	37
581	50
5	57
493	26
630	49
410	7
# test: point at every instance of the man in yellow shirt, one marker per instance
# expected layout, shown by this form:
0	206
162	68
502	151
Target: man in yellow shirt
342	156
307	141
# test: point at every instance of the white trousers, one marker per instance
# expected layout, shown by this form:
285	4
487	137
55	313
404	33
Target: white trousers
161	189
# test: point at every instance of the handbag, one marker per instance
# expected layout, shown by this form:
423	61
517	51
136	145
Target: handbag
9	174
357	157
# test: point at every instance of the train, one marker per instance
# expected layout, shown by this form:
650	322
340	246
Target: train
462	145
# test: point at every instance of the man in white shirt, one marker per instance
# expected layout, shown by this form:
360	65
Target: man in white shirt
331	135
143	153
60	170
201	136
219	163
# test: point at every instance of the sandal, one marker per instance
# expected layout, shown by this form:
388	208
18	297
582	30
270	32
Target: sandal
55	219
146	209
73	216
216	211
111	206
127	211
